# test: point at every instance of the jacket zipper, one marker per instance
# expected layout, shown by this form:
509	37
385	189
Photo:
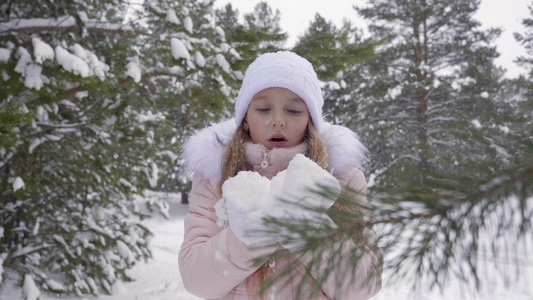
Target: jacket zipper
266	155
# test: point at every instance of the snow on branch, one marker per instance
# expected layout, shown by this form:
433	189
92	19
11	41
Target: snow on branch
65	23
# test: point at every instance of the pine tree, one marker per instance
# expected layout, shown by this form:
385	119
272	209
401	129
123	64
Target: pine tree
521	95
450	175
186	72
99	98
445	173
337	54
260	33
433	76
525	83
526	39
76	145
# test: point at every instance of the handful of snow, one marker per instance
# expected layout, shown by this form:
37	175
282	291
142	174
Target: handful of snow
248	198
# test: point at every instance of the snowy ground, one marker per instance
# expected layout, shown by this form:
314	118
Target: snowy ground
159	279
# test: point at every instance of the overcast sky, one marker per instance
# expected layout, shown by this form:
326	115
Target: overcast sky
296	16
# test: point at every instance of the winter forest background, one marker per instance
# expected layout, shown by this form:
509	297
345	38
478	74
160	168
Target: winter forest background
97	97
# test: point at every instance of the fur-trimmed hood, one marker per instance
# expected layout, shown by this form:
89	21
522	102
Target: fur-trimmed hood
203	151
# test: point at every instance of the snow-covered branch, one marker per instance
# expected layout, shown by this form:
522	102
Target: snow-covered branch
61	24
47	125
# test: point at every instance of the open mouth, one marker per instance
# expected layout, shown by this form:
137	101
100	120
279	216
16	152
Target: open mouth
278	139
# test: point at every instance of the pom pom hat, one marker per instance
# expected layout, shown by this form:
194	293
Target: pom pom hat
283	70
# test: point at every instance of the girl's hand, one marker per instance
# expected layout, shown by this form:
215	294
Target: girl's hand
245	199
299	190
292	194
297	194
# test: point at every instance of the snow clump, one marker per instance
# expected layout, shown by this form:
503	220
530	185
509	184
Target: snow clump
222	62
187	22
30	71
179	50
5	54
29	289
288	196
18	184
133	69
42	51
171	17
71	62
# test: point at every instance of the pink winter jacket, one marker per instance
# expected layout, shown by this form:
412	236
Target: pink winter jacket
214	264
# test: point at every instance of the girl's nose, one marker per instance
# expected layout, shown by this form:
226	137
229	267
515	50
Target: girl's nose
278	120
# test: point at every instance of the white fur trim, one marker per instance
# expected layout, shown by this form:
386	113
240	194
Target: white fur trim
345	149
203	151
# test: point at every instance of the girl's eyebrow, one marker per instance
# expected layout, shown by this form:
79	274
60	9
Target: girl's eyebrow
297	101
260	97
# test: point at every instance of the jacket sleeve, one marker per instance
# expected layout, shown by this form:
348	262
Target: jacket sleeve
212	261
366	280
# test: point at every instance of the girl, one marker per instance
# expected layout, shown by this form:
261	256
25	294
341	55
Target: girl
277	144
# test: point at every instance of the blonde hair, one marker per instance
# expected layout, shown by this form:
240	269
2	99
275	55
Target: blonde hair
234	160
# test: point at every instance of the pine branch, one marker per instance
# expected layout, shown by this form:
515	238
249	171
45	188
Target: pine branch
439	241
58	126
62	24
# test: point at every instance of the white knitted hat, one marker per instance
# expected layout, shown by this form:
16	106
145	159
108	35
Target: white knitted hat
285	70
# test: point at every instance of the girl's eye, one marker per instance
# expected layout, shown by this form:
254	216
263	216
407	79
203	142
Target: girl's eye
294	111
263	109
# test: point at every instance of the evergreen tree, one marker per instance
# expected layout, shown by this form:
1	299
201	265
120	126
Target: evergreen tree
432	78
98	100
446	179
444	176
525	83
186	72
526	39
521	95
260	33
450	175
75	146
337	54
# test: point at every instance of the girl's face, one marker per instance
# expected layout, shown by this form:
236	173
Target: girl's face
277	117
